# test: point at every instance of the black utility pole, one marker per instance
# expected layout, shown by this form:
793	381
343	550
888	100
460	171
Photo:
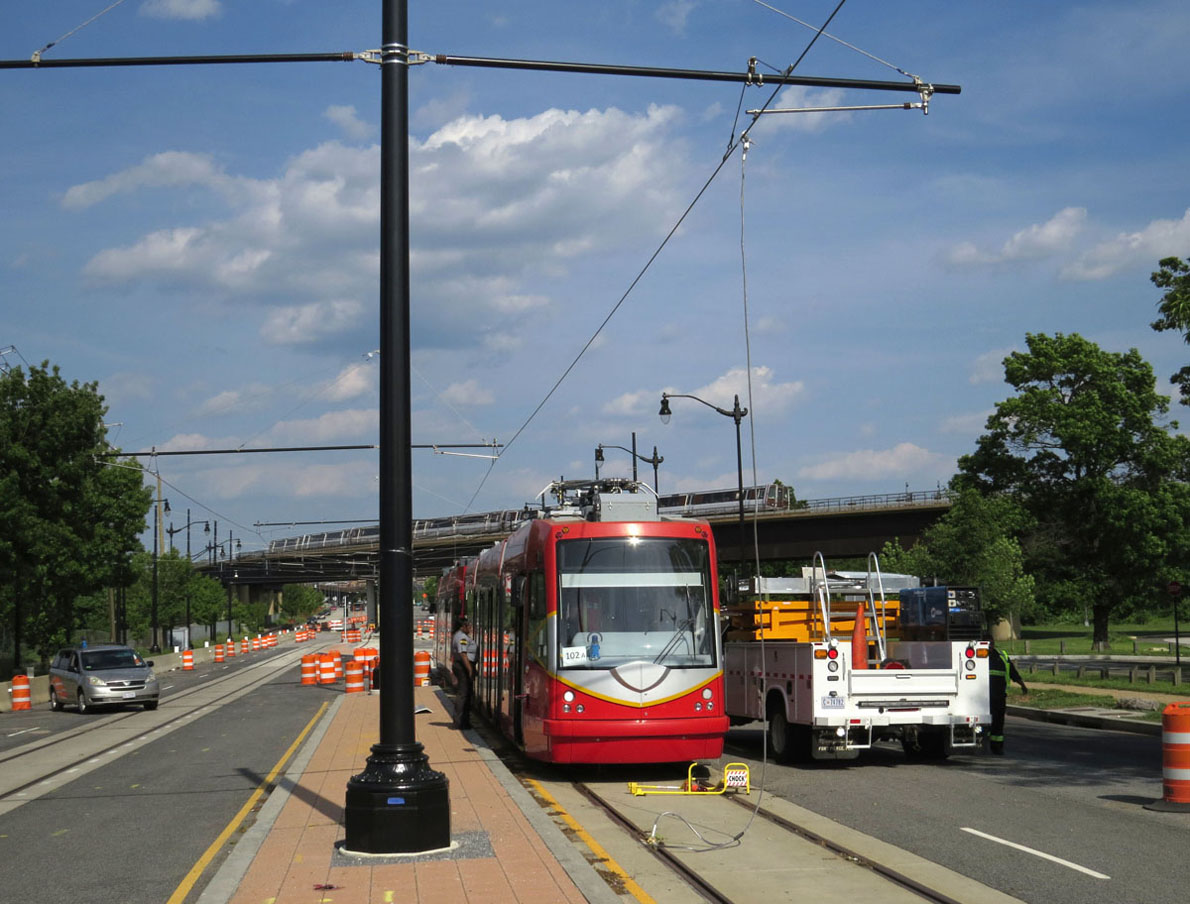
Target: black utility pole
398	804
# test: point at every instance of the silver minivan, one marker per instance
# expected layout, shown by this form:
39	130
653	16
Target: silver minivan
100	675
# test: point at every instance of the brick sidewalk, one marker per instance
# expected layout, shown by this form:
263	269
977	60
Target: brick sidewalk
497	856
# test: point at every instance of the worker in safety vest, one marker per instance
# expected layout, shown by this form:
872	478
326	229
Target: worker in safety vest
1000	670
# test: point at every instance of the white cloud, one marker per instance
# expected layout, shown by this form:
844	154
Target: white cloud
127	387
193	10
673	15
310	323
346	118
966	424
868	464
250	398
768	398
469	392
334	427
1037	241
352	480
353	381
169	169
800	97
989	367
499	205
1160	238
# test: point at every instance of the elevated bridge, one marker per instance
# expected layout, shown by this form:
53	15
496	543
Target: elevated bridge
838	527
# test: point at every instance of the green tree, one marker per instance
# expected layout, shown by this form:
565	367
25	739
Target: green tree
300	601
1080	447
1174	277
974	544
70	512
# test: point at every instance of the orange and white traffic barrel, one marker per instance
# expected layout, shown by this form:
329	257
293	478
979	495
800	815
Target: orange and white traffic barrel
338	664
421	668
22	699
187	661
230	649
310	668
1175	759
355	678
245	646
219	652
326	668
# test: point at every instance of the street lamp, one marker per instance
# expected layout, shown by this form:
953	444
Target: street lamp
171	530
654	461
737	414
163	504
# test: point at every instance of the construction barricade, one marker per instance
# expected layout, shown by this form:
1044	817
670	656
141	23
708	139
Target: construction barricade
421	668
310	668
21	697
219	652
187	661
326	668
245	646
231	648
1175	759
354	683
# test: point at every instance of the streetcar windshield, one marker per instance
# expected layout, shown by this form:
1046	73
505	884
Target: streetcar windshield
633	599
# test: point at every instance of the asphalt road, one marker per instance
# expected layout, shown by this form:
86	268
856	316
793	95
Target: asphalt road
129	831
1062	792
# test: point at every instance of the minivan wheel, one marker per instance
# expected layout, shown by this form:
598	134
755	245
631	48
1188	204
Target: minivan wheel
55	703
82	703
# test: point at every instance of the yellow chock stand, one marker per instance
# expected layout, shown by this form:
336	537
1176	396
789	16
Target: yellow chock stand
698	781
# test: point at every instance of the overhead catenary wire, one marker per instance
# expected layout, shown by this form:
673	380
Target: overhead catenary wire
37	53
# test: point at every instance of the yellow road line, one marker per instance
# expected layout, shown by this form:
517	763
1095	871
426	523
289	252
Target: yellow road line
629	883
204	861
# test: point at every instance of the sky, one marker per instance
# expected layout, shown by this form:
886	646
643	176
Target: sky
203	242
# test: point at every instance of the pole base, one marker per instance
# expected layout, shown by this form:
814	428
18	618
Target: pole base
397	805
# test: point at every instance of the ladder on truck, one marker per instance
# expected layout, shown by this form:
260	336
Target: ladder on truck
834	608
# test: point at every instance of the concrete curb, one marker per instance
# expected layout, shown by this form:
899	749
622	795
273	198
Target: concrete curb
1086	720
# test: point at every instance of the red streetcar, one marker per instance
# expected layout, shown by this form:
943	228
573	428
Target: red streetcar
597	631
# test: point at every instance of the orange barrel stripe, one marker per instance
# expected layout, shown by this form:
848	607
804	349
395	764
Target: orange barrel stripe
22	698
338	664
421	668
187	661
1175	752
310	668
355	678
326	668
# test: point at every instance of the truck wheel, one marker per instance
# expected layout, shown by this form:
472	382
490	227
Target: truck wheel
787	743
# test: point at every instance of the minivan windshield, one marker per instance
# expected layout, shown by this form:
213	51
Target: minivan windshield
635	599
97	660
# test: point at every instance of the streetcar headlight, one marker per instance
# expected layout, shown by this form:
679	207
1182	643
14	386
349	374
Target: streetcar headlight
568	696
565	707
698	707
706	693
579	708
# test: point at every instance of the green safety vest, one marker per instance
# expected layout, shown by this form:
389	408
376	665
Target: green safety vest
999	669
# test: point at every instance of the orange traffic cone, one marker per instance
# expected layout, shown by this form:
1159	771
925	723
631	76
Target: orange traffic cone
859	641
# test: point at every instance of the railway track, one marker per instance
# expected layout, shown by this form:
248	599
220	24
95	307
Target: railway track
717	867
37	765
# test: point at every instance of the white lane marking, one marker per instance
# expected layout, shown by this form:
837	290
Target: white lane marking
22	731
1036	853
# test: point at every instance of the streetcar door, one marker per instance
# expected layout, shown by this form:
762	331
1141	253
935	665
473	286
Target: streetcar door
516	659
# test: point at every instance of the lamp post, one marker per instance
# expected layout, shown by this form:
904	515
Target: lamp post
737	414
171	530
218	551
155	646
654	461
